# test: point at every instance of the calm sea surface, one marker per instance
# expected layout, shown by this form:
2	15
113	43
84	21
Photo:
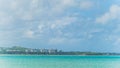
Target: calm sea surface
59	61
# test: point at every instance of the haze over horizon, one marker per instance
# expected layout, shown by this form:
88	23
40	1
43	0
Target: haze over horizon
70	25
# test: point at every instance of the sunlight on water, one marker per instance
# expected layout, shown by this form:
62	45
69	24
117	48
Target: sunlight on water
3	63
58	62
113	64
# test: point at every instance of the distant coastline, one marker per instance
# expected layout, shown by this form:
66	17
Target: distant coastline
17	50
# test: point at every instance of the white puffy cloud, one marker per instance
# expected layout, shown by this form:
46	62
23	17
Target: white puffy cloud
86	4
14	5
47	14
6	37
5	19
60	5
117	41
55	25
41	11
61	23
112	14
29	34
35	3
113	39
59	40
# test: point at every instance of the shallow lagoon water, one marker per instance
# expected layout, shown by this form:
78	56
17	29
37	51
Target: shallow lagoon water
17	61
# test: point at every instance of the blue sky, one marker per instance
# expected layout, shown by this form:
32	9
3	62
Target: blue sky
70	25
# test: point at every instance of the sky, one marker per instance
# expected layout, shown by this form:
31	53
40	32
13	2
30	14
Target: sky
69	25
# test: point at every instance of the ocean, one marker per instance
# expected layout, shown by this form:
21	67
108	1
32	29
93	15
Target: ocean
17	61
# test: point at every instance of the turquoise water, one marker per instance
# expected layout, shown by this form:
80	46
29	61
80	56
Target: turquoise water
59	61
